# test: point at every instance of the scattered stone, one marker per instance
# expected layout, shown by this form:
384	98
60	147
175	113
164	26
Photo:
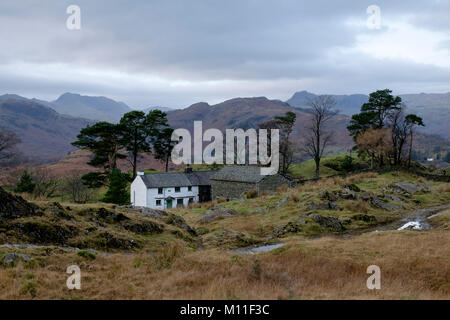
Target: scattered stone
258	211
282	203
366	196
386	206
326	195
217	213
291	227
151	213
14	257
164	216
391	197
331	222
412	188
406	188
347	194
324	205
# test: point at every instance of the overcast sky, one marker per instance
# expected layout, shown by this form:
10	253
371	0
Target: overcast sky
175	53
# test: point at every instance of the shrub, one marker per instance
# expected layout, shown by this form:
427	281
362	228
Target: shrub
251	194
294	197
29	276
25	183
221	199
202	230
282	188
353	187
86	254
31	288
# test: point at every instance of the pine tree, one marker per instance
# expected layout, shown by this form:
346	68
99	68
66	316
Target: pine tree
118	188
25	183
447	157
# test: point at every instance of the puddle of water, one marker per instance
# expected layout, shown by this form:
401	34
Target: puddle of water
253	250
434	215
415	225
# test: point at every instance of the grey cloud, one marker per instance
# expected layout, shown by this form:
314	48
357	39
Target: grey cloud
288	42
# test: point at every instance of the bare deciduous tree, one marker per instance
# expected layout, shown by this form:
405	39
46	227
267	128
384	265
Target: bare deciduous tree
77	191
285	124
317	137
46	184
400	129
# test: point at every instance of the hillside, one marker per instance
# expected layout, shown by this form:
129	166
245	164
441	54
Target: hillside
95	108
433	108
248	112
313	241
46	135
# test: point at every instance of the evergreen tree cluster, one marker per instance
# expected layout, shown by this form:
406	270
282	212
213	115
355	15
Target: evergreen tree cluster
136	133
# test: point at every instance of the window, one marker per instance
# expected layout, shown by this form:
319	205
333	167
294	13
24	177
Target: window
191	200
189	188
160	190
177	189
179	202
158	202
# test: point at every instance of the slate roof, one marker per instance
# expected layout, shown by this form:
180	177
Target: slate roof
177	179
250	174
200	178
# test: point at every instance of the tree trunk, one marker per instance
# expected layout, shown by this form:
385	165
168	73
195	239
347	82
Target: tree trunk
410	149
317	161
167	163
134	165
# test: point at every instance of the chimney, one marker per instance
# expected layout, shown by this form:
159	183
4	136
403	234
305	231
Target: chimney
140	172
188	169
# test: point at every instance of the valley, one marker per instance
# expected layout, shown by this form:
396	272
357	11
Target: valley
129	253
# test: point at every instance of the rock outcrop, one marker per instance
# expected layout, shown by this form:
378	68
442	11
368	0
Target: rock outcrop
12	207
217	213
331	223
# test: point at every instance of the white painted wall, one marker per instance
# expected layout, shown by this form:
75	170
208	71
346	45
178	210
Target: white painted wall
138	193
143	197
185	194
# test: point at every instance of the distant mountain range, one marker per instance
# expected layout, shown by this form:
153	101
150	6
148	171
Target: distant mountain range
434	108
46	135
249	112
164	109
48	128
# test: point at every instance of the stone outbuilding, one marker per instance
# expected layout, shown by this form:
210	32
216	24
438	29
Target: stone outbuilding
232	182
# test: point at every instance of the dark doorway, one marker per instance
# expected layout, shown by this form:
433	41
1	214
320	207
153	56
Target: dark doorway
204	193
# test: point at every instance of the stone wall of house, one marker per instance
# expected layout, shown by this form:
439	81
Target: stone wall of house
271	182
230	189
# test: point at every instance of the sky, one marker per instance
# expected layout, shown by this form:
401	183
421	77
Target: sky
175	53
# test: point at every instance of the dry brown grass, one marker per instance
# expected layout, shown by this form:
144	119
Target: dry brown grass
414	265
282	188
360	177
356	206
294	197
443	188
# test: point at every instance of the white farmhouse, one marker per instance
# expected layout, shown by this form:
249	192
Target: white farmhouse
168	190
